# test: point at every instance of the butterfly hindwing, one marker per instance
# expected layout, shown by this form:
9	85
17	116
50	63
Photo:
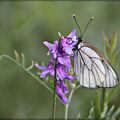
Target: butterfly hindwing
111	76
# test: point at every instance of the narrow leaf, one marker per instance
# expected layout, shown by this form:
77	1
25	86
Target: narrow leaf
23	59
116	53
113	41
103	114
92	112
110	112
31	66
107	48
78	116
17	56
116	113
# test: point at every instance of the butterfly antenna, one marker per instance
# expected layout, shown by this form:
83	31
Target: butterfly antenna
87	26
77	24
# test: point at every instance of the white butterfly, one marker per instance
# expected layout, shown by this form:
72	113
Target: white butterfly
91	68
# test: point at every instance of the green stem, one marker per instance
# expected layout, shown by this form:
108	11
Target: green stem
67	105
111	93
103	98
98	105
30	73
66	111
54	96
54	105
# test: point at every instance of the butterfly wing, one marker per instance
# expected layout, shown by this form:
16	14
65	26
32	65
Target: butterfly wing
111	78
92	69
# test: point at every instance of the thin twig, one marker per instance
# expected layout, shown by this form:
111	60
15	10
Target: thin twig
54	96
103	98
30	73
67	105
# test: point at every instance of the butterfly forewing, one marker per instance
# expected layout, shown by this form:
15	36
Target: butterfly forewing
92	69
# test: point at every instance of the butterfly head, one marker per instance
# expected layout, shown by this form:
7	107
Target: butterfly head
76	41
79	40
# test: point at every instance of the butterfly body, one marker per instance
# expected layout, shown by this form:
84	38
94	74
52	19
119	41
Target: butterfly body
91	68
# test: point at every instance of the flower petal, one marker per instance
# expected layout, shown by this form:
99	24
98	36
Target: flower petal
50	64
72	34
40	67
52	72
43	73
61	94
65	60
63	41
52	48
49	45
70	77
61	71
64	86
68	50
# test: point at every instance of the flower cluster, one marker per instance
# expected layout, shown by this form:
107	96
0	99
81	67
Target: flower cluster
60	63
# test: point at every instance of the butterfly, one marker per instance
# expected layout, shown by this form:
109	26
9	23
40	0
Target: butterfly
91	67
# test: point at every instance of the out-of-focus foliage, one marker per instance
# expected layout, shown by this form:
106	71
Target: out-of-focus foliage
110	47
23	27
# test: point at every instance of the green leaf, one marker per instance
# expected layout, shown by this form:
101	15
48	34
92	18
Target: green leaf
92	112
110	112
103	114
111	93
78	116
113	41
115	54
110	45
23	59
46	79
31	66
17	56
30	73
106	39
116	113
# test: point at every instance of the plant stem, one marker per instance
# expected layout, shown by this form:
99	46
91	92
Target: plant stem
98	105
66	111
111	93
30	73
67	105
54	105
103	98
54	95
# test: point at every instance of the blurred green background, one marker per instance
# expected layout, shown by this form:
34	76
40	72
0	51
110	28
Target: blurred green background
23	27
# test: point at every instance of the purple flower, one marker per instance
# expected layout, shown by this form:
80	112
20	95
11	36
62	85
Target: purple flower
72	35
67	42
52	48
46	70
62	73
61	51
59	90
64	87
67	45
64	60
61	87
